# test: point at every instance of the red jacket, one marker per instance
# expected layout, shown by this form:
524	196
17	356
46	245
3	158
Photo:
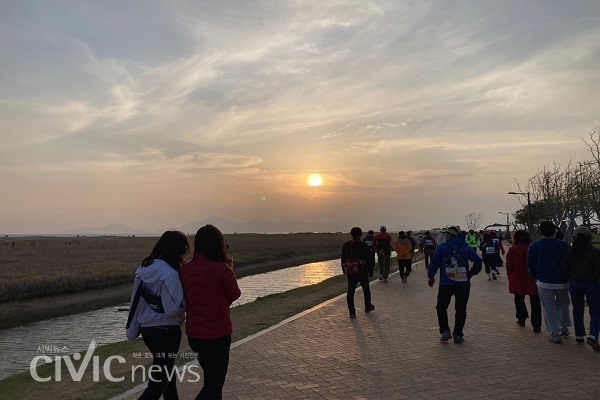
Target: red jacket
383	242
209	288
519	281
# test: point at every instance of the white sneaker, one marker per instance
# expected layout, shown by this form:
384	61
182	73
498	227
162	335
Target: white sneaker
493	275
489	277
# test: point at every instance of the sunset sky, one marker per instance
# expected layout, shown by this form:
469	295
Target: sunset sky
155	114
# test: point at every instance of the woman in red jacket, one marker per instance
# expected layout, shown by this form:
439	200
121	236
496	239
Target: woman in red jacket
520	283
210	287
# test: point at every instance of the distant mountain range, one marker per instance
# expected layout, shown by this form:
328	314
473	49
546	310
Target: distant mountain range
227	226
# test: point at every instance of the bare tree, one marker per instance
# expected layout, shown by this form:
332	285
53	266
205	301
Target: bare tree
473	220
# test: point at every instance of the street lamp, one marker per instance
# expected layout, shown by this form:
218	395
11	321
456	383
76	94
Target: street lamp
528	209
507	226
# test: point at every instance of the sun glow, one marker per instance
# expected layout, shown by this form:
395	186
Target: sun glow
314	180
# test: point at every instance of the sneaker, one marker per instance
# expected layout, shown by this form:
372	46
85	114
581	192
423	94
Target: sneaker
579	339
353	314
380	277
594	343
446	336
565	332
368	310
384	280
489	277
493	275
521	322
497	272
555	338
537	329
458	339
404	280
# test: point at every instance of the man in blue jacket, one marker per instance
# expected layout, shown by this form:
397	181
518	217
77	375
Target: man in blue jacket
543	264
452	259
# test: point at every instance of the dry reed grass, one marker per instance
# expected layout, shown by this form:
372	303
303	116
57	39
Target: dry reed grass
32	267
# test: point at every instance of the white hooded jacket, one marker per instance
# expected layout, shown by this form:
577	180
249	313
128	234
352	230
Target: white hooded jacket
160	279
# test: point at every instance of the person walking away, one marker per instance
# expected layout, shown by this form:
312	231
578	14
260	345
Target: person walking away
413	247
489	253
498	241
428	244
520	283
452	260
543	264
403	248
358	251
368	240
441	237
472	240
157	312
581	264
383	244
210	286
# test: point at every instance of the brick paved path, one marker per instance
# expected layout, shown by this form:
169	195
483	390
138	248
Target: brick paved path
395	353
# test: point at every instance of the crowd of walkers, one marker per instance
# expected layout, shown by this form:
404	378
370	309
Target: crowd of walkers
549	271
168	291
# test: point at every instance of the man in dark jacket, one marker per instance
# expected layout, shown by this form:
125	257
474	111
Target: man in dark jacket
543	264
452	259
355	248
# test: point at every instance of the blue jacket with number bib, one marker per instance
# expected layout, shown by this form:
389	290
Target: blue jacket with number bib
443	250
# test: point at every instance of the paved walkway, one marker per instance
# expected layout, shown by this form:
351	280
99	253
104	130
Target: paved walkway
395	353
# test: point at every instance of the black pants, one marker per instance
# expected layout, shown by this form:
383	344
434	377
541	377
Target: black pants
163	342
405	267
461	298
371	265
363	279
536	309
213	356
427	258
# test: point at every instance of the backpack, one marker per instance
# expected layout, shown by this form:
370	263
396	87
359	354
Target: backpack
429	245
352	265
491	247
455	266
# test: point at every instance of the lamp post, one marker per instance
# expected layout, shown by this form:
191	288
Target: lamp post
528	209
507	226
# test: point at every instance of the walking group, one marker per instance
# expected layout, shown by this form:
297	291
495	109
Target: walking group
550	271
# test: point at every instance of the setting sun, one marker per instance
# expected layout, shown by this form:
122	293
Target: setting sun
314	180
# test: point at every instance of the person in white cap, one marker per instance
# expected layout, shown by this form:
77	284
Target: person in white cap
452	259
383	244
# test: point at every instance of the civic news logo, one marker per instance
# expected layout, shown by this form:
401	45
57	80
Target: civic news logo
188	373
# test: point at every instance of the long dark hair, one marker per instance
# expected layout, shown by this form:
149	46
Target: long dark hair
521	236
210	242
580	245
171	248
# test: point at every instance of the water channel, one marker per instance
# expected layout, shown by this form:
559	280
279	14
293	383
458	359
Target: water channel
73	333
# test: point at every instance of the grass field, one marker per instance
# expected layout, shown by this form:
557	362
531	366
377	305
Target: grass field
33	267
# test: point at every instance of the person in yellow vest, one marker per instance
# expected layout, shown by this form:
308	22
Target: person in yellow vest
472	240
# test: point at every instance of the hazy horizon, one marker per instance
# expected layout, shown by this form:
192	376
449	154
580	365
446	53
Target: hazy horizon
411	113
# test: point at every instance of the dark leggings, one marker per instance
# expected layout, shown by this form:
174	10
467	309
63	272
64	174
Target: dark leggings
405	267
213	356
163	343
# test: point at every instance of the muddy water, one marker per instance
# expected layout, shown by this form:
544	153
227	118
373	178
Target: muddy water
73	333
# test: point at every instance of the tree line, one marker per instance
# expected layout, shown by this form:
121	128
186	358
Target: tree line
565	192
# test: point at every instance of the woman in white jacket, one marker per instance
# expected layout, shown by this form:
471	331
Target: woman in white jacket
157	311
